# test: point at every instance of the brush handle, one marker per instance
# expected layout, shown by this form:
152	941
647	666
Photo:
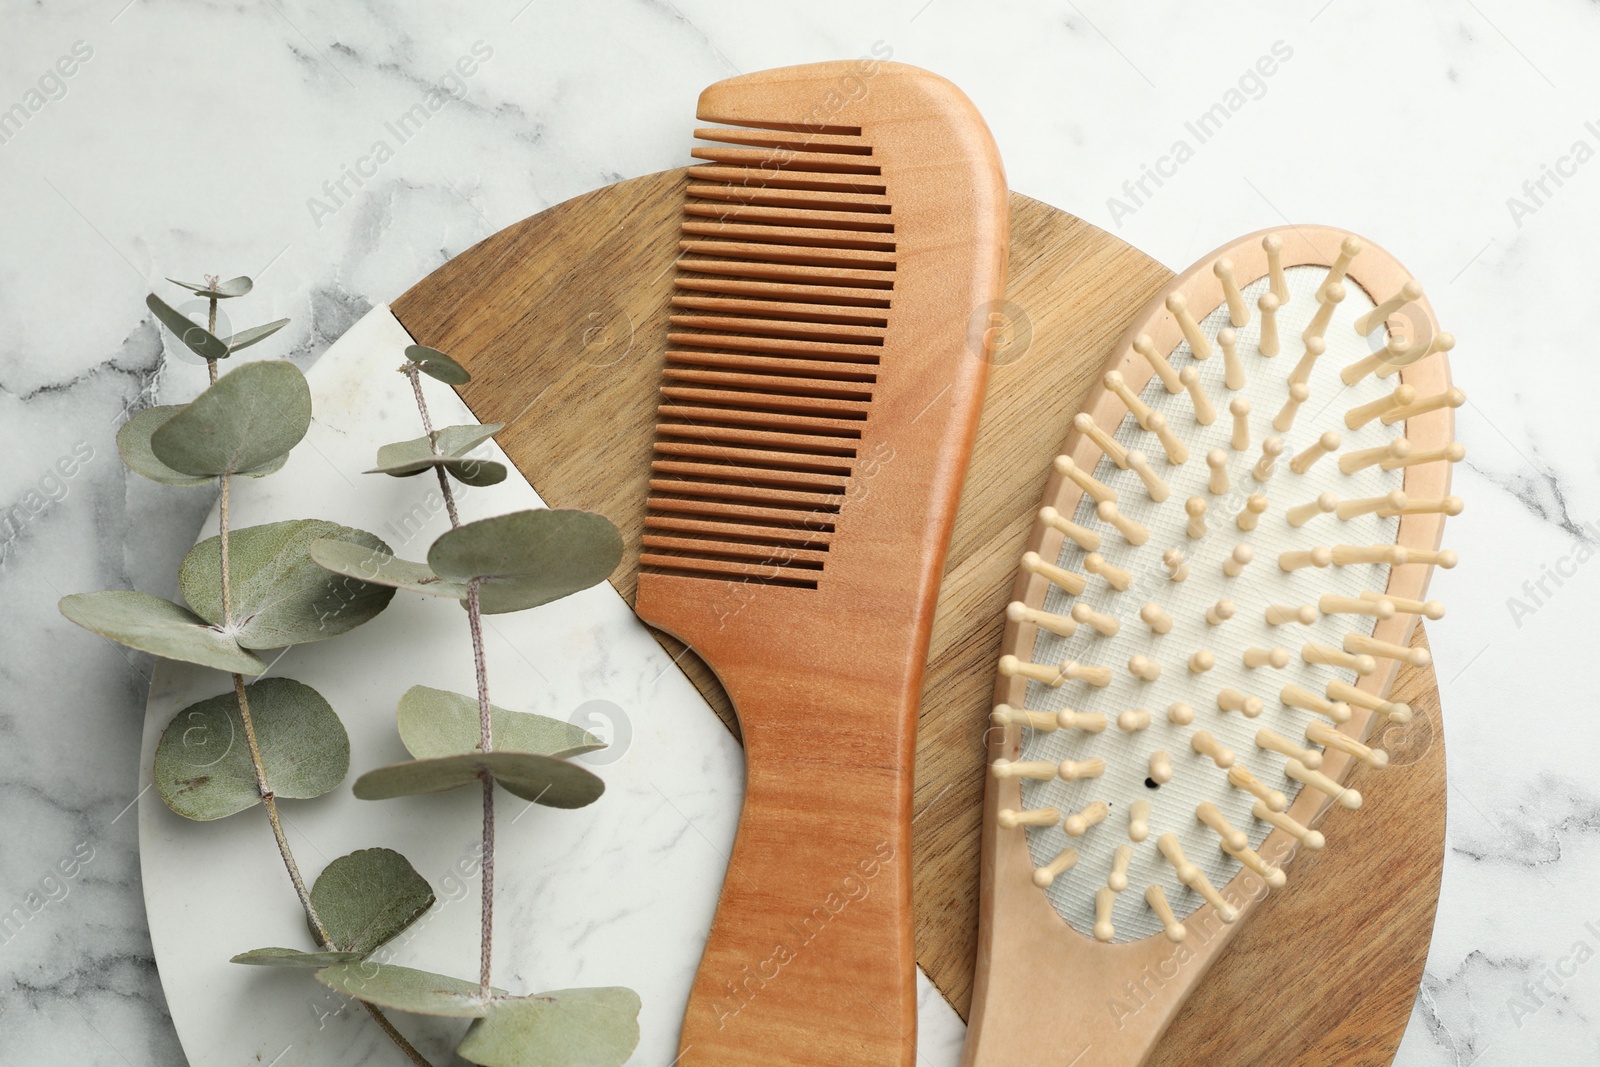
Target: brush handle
810	959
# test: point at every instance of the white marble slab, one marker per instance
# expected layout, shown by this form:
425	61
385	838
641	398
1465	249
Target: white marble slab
193	137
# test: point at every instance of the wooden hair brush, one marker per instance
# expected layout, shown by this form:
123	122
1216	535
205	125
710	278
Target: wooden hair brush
822	387
1234	548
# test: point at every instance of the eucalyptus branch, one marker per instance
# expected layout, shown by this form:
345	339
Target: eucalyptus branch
504	563
211	327
481	670
269	800
485	739
413	372
245	424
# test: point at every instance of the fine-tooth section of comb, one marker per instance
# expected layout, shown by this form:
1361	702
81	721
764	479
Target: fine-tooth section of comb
774	347
842	244
1249	597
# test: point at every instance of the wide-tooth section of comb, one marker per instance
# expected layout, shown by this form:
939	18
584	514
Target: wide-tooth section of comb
786	278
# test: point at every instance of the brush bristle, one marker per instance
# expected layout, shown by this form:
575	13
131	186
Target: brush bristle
1205	611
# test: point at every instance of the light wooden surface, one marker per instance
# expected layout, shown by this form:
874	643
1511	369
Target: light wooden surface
562	318
815	616
1027	954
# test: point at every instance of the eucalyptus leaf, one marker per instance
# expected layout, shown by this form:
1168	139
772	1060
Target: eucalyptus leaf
528	558
435	364
544	780
246	338
434	722
222	290
293	957
368	897
377	565
281	596
151	624
473	472
133	442
406	458
199	340
249	418
561	1028
405	989
454	442
202	765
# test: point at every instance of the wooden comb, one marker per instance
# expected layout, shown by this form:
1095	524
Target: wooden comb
1220	589
822	389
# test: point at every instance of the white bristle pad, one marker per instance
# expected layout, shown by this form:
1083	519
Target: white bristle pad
1195	778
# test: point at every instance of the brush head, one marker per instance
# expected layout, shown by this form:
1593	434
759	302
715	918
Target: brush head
1256	605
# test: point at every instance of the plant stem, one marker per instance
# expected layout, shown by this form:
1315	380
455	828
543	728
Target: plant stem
395	1035
485	742
486	908
222	553
415	374
485	732
211	328
270	801
433	440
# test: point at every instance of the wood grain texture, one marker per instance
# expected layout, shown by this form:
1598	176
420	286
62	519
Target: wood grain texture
1072	290
562	319
851	440
1134	990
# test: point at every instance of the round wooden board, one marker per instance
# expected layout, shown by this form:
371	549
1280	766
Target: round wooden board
562	320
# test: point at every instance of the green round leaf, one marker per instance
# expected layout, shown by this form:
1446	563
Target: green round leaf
473	472
151	624
293	957
434	722
202	766
245	338
368	897
249	418
561	1028
377	565
542	779
528	558
133	442
281	596
476	472
222	290
405	989
435	364
406	458
195	337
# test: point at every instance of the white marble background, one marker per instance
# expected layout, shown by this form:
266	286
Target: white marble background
191	138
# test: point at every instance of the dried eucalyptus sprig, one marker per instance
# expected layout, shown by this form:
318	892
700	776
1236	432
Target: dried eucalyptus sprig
500	564
247	591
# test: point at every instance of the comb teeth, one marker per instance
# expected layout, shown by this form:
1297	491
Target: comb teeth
785	277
